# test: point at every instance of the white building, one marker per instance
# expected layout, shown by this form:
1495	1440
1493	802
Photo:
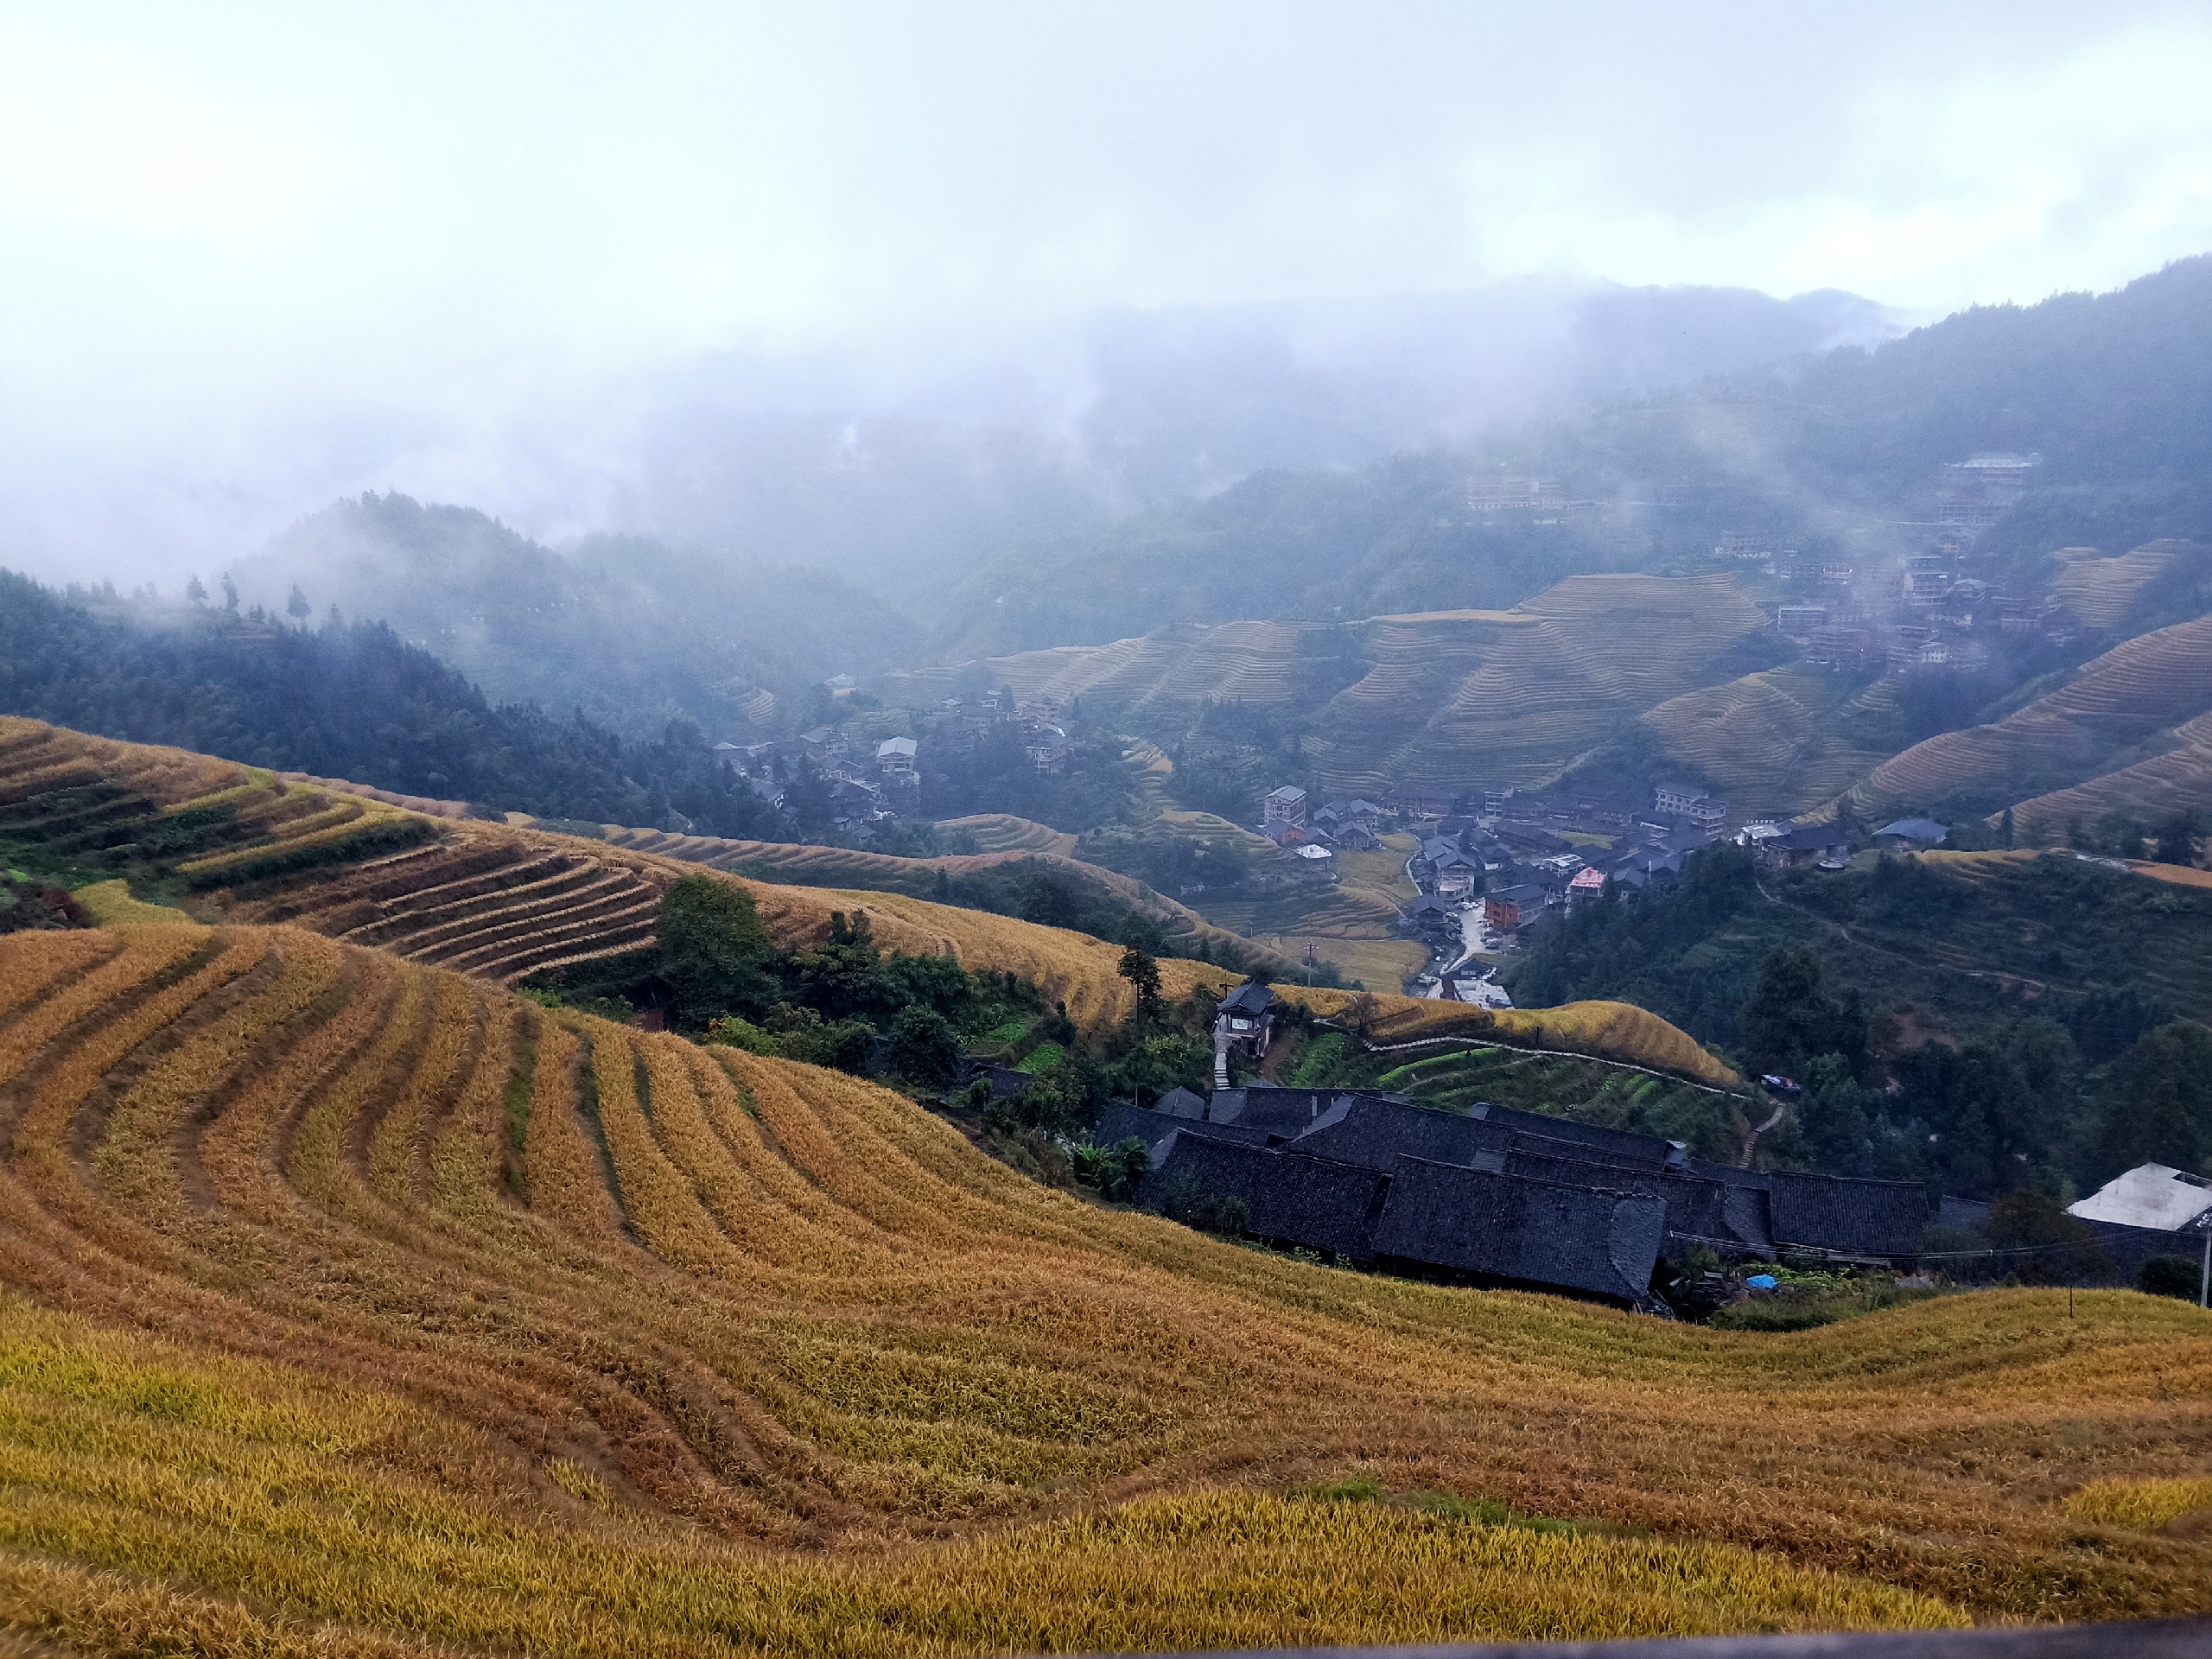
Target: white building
2150	1195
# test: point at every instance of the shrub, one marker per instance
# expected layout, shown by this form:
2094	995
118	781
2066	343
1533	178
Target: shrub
2171	1276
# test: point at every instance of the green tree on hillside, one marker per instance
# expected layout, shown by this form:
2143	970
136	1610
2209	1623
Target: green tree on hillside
2157	1103
2177	838
1142	971
1790	1017
715	951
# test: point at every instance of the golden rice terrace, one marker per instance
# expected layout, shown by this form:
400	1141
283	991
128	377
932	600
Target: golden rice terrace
358	1305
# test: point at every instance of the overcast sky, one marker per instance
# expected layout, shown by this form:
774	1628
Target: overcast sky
269	249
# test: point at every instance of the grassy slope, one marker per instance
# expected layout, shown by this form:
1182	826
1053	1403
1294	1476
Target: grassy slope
598	1341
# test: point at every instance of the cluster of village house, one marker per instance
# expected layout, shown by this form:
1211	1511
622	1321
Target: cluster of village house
1935	614
1498	1195
1512	856
868	791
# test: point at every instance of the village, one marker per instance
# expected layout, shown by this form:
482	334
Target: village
1495	1195
1490	865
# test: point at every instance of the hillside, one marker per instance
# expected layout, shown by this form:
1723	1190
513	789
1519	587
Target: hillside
408	1312
1790	739
1617	1030
2110	390
1438	697
495	901
2120	708
625	627
1183	930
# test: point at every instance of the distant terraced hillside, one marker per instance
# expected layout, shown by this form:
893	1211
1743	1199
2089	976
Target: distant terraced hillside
1778	740
1437	697
350	1308
497	902
2101	592
2176	779
494	901
789	863
1001	832
2122	708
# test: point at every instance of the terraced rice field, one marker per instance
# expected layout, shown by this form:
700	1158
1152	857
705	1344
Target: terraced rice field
494	901
1507	695
352	1305
2175	780
2101	592
1768	741
1618	1031
792	863
1001	832
2133	695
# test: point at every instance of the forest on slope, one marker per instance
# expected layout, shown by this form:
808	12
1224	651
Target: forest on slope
345	700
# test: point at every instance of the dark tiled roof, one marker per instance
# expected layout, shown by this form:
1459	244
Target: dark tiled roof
1377	1132
2129	1248
1617	1146
1832	1212
1306	1201
1698	1212
1534	1233
1005	1082
1285	1112
1251	997
1181	1102
1960	1212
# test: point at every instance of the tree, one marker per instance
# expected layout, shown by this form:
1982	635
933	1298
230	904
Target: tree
925	1046
840	977
2171	1276
2005	830
230	594
298	607
2177	838
1142	971
1789	1016
714	948
2156	1104
2046	1245
196	591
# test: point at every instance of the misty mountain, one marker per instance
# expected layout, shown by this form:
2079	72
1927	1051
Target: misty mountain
1067	429
1838	452
345	700
624	628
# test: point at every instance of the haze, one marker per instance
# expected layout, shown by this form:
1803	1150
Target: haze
260	257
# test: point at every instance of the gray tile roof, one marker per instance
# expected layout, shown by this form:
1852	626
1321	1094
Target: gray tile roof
1377	1132
1834	1212
1698	1210
1286	1111
1251	997
1522	1232
1617	1146
1310	1202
